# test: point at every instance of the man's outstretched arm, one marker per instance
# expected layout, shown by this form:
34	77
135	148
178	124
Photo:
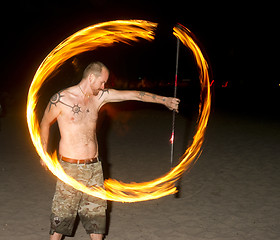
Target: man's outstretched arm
112	95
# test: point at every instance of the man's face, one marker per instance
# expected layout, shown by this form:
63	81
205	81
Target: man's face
98	83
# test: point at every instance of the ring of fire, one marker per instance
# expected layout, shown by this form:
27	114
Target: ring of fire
105	34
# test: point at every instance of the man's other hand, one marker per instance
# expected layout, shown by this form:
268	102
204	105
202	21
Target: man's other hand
43	164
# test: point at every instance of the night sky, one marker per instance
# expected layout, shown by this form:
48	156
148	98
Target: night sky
240	41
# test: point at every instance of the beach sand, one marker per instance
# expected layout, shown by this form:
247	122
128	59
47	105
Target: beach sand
232	192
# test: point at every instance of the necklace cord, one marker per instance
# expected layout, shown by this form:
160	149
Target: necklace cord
83	92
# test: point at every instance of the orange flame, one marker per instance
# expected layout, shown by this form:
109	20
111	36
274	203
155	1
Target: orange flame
105	34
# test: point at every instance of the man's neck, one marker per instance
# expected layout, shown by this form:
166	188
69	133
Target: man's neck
85	89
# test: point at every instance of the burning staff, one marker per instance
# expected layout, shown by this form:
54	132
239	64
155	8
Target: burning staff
174	112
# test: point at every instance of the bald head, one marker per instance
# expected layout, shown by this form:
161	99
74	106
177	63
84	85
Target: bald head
94	68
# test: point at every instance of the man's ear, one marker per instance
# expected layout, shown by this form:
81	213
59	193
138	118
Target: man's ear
91	78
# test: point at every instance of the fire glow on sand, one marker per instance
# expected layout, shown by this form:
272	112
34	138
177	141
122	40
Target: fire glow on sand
106	34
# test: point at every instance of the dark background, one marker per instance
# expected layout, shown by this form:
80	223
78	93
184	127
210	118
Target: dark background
232	191
241	42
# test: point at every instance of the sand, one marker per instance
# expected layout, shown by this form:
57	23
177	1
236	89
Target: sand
231	193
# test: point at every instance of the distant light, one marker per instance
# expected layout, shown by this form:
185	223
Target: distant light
225	85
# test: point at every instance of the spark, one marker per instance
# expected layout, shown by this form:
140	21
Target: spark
106	34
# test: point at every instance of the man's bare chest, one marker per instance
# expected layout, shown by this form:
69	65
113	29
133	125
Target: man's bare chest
80	113
76	110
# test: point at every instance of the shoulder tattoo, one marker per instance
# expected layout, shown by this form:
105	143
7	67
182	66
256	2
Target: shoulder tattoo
103	91
56	98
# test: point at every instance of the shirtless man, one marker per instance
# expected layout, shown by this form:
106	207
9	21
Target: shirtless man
76	111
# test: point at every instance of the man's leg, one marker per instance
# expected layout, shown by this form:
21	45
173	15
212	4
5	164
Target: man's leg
94	236
56	236
92	210
65	205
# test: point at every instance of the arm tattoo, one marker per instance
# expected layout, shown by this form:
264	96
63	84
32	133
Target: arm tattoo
153	96
56	98
103	91
142	94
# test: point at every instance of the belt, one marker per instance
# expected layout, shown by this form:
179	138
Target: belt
79	161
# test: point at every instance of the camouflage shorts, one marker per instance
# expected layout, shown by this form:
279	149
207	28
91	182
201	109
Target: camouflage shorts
68	202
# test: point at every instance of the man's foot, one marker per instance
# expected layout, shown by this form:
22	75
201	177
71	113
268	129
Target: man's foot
96	236
56	236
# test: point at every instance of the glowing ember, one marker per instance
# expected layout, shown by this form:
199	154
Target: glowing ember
105	34
171	140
